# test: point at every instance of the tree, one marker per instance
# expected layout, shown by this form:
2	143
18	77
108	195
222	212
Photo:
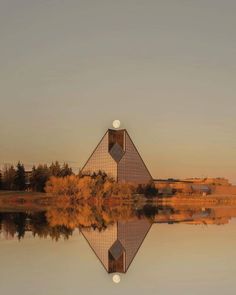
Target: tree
20	181
58	171
73	186
39	177
1	180
41	174
66	170
9	174
55	169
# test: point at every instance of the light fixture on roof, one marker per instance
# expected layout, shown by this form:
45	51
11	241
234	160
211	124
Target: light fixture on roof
116	124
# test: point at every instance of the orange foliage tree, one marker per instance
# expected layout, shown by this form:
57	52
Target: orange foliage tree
86	187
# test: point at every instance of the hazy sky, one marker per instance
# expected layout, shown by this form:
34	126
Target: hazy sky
166	69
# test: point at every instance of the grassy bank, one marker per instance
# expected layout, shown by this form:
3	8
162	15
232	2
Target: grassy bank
27	200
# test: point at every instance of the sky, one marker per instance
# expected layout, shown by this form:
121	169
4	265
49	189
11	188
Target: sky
166	69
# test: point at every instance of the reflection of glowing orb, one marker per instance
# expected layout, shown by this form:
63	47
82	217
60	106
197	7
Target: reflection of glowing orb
116	124
116	279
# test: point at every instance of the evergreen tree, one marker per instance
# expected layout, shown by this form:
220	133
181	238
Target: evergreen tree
55	169
66	170
39	177
9	175
1	180
20	180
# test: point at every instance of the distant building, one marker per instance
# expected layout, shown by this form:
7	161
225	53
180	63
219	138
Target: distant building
203	186
117	156
28	175
201	189
209	181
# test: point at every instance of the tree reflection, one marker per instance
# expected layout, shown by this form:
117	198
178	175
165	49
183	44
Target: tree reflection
61	220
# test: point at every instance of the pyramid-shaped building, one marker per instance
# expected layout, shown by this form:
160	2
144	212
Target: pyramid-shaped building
117	156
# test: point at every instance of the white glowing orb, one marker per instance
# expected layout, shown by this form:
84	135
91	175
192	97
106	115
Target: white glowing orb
116	279
116	124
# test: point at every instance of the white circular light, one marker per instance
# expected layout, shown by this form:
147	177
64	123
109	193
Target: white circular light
116	124
116	279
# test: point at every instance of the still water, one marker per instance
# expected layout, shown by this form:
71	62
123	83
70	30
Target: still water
87	249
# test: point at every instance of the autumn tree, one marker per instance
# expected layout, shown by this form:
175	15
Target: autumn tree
74	186
85	187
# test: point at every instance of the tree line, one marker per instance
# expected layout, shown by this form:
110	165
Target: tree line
61	181
18	179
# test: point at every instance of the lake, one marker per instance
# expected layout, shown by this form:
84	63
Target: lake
128	249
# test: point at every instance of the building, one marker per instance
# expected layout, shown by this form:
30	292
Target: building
28	175
205	186
118	244
117	156
200	189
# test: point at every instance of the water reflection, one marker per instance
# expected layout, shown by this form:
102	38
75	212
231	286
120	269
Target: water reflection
115	233
117	246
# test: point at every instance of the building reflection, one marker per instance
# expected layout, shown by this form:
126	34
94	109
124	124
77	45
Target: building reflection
117	246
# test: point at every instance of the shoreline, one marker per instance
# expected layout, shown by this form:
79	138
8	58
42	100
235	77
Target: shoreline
37	200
